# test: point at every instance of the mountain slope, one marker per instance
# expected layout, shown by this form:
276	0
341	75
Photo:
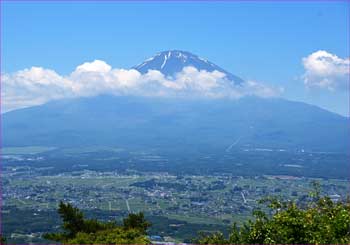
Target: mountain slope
173	61
178	124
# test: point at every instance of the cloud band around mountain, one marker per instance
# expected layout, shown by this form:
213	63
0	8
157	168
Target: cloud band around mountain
38	85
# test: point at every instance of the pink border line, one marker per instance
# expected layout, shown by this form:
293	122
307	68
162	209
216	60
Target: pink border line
173	1
1	233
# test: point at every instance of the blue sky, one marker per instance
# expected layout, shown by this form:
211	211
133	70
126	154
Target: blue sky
263	41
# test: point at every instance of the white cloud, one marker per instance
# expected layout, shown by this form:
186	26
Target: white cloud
261	90
33	86
95	66
37	85
326	71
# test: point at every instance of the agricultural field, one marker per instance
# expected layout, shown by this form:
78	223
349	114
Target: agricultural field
197	200
109	183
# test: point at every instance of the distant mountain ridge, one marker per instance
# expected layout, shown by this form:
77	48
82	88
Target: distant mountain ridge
173	61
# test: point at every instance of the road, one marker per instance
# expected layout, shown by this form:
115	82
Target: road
244	200
127	205
233	144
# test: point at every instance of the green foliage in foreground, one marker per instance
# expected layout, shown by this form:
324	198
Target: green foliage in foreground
110	236
78	230
321	222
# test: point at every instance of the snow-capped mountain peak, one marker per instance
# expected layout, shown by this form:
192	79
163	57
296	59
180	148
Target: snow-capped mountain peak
173	61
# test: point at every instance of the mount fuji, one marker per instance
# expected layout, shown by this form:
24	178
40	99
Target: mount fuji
178	123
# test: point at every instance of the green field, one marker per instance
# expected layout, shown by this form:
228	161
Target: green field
25	150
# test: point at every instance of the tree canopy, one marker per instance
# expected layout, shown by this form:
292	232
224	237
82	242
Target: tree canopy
322	221
78	230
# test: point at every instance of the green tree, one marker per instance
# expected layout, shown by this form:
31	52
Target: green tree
322	221
136	221
72	217
78	230
110	236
